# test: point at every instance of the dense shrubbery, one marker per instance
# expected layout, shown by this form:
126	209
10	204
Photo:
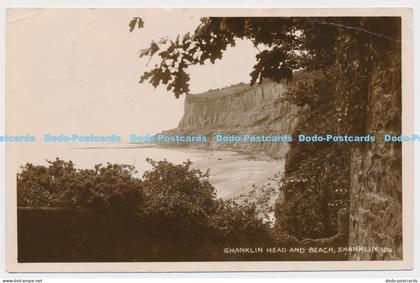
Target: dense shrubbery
317	174
312	92
62	185
171	213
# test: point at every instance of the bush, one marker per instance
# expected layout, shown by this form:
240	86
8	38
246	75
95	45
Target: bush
312	91
178	193
62	185
317	175
172	213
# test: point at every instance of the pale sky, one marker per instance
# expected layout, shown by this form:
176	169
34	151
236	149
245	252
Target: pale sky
77	71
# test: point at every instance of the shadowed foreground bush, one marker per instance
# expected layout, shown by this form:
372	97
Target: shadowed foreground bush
107	214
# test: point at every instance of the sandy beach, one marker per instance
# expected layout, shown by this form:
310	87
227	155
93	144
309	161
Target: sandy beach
233	174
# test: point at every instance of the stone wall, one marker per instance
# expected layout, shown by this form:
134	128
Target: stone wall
376	169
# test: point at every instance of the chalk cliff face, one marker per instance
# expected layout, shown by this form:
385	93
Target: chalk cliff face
239	110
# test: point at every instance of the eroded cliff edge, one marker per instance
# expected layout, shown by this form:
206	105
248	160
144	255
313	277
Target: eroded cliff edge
238	110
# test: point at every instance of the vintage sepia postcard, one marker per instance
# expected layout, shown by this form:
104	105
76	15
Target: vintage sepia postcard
185	140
